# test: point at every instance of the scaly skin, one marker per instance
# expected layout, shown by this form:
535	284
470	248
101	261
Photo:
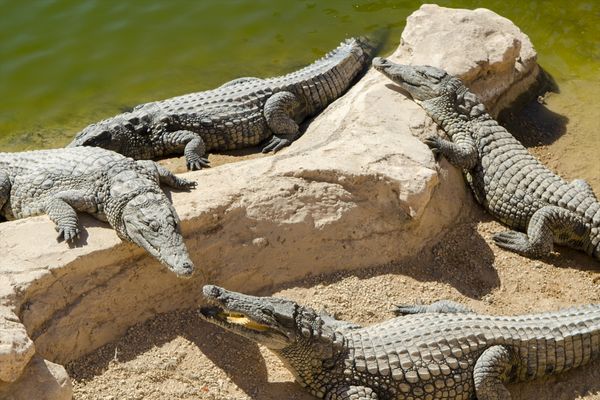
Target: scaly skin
107	185
439	352
241	113
508	181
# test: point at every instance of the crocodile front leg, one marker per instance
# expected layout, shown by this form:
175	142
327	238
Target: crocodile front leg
491	370
4	188
194	150
164	176
61	210
460	152
441	306
548	225
279	111
352	393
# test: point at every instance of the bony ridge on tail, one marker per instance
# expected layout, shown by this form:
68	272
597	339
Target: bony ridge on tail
441	351
107	185
504	177
241	113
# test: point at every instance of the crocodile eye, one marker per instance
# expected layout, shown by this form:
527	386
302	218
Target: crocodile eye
100	138
154	225
269	310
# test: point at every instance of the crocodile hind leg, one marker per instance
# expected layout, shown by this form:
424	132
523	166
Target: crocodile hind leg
441	306
279	112
493	367
164	176
352	393
547	226
194	148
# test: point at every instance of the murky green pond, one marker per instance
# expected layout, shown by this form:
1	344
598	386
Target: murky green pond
67	63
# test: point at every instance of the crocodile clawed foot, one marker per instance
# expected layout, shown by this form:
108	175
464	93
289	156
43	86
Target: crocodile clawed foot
198	163
435	145
406	309
512	240
186	184
67	234
440	306
433	142
276	144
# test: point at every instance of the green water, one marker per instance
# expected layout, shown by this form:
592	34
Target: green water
67	63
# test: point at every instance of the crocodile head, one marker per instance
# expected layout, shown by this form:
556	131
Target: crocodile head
140	212
150	221
310	344
114	134
281	325
266	320
438	92
422	82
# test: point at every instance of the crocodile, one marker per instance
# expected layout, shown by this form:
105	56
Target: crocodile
439	351
241	113
504	177
111	187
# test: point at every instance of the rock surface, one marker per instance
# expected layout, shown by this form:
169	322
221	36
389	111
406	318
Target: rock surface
357	189
485	50
16	348
43	380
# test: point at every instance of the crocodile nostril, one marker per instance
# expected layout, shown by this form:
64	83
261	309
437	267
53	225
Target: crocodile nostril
187	268
379	62
211	291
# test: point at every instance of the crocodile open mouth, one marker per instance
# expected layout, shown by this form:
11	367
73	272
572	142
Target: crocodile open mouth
227	318
261	319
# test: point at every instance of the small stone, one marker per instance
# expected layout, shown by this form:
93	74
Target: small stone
260	242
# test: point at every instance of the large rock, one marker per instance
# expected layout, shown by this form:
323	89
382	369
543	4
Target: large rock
357	189
485	50
43	380
16	348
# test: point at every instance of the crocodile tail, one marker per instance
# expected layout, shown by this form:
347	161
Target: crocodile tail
370	45
563	340
373	42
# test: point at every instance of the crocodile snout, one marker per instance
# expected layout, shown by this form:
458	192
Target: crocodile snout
211	291
380	62
179	262
185	269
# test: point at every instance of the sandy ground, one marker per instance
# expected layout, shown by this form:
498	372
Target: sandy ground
178	356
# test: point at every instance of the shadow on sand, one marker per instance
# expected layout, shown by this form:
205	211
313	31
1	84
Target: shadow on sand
240	358
529	120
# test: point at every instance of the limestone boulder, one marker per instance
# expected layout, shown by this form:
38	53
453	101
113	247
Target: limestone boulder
487	51
358	189
16	348
43	380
